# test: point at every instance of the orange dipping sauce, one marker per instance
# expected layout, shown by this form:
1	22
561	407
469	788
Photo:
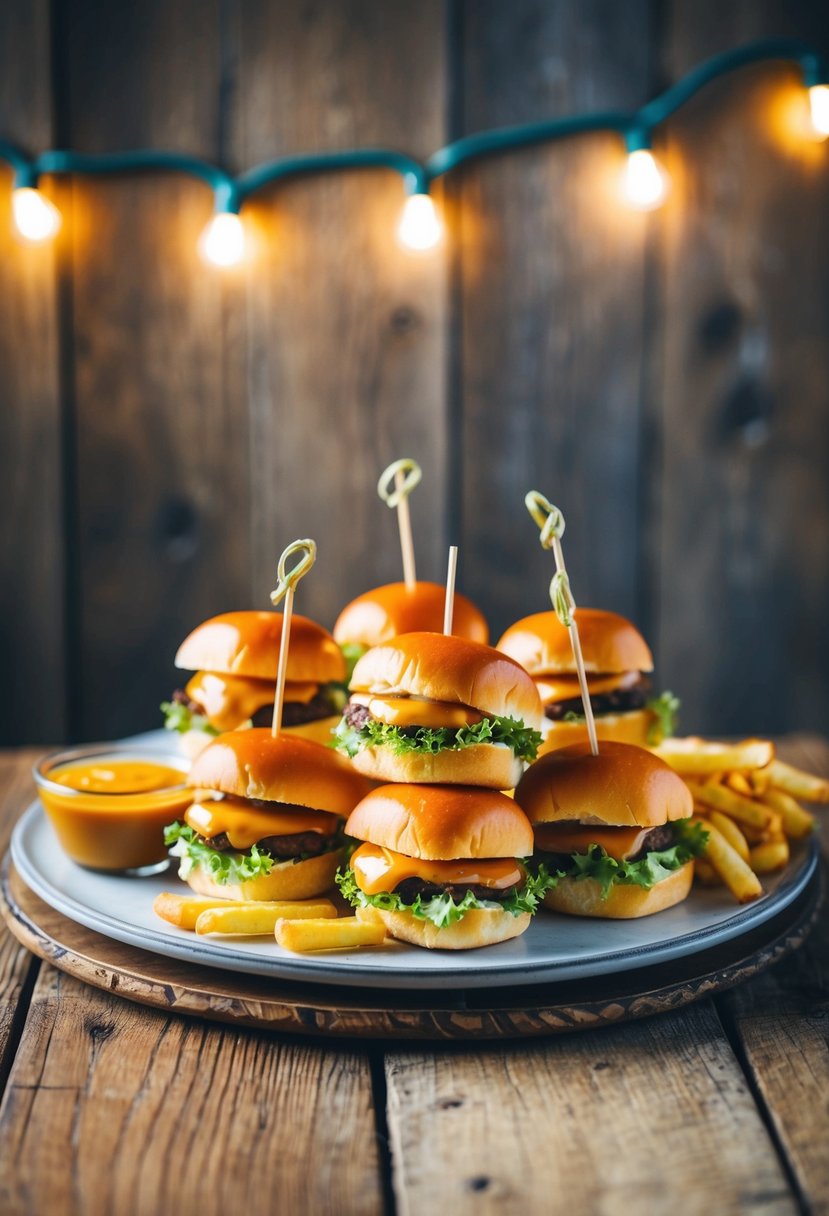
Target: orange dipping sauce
109	808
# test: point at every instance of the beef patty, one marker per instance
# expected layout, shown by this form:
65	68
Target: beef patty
656	840
619	701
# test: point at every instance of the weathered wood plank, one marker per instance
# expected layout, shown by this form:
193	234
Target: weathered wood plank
347	346
16	964
111	1108
782	1022
162	444
551	305
31	467
652	1117
742	402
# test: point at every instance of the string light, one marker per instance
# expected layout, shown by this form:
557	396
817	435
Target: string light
35	217
645	184
819	110
223	241
420	227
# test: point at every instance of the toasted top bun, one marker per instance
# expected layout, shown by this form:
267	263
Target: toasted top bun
624	786
451	669
252	764
442	822
247	644
384	612
609	643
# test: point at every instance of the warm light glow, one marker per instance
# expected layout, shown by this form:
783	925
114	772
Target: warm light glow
645	183
819	109
223	241
35	218
420	227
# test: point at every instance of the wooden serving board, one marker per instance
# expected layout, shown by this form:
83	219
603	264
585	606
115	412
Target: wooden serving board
520	1012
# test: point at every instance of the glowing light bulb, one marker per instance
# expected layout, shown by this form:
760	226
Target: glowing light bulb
644	184
420	227
819	110
223	241
35	218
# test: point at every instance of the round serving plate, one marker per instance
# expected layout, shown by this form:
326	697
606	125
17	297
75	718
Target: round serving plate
169	985
555	949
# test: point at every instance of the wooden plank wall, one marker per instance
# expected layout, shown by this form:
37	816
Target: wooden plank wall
165	428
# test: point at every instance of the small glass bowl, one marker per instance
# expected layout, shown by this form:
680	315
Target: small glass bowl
115	832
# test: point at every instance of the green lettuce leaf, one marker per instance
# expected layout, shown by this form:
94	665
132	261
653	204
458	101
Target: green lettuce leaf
223	867
352	651
666	708
524	741
690	839
442	910
179	718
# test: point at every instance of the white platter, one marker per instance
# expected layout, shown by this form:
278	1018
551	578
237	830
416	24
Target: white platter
554	948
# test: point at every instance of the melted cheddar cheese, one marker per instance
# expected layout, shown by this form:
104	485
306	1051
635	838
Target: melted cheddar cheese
244	826
228	701
377	870
619	843
566	687
417	711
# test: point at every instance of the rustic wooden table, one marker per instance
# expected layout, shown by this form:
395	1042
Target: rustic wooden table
111	1108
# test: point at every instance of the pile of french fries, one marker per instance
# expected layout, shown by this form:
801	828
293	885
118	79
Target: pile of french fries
299	925
748	801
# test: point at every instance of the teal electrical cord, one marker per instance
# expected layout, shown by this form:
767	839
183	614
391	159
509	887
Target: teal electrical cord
230	191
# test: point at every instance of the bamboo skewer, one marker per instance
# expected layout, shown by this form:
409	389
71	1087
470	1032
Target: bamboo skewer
449	602
406	474
551	522
285	589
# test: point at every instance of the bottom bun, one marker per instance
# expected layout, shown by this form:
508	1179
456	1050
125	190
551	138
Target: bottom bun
287	880
583	896
493	765
632	727
478	927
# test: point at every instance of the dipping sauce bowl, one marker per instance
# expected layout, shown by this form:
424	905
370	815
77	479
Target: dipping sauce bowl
109	805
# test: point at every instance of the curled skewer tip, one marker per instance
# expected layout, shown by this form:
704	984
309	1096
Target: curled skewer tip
398	480
288	579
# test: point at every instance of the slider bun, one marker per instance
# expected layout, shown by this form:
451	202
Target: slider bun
384	612
450	669
287	880
439	823
583	897
247	644
478	927
624	786
609	643
193	742
495	766
631	727
252	764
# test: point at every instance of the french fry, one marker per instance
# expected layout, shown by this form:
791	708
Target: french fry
703	756
758	780
259	919
765	858
730	831
706	874
184	910
797	783
744	810
735	873
797	822
739	783
302	936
